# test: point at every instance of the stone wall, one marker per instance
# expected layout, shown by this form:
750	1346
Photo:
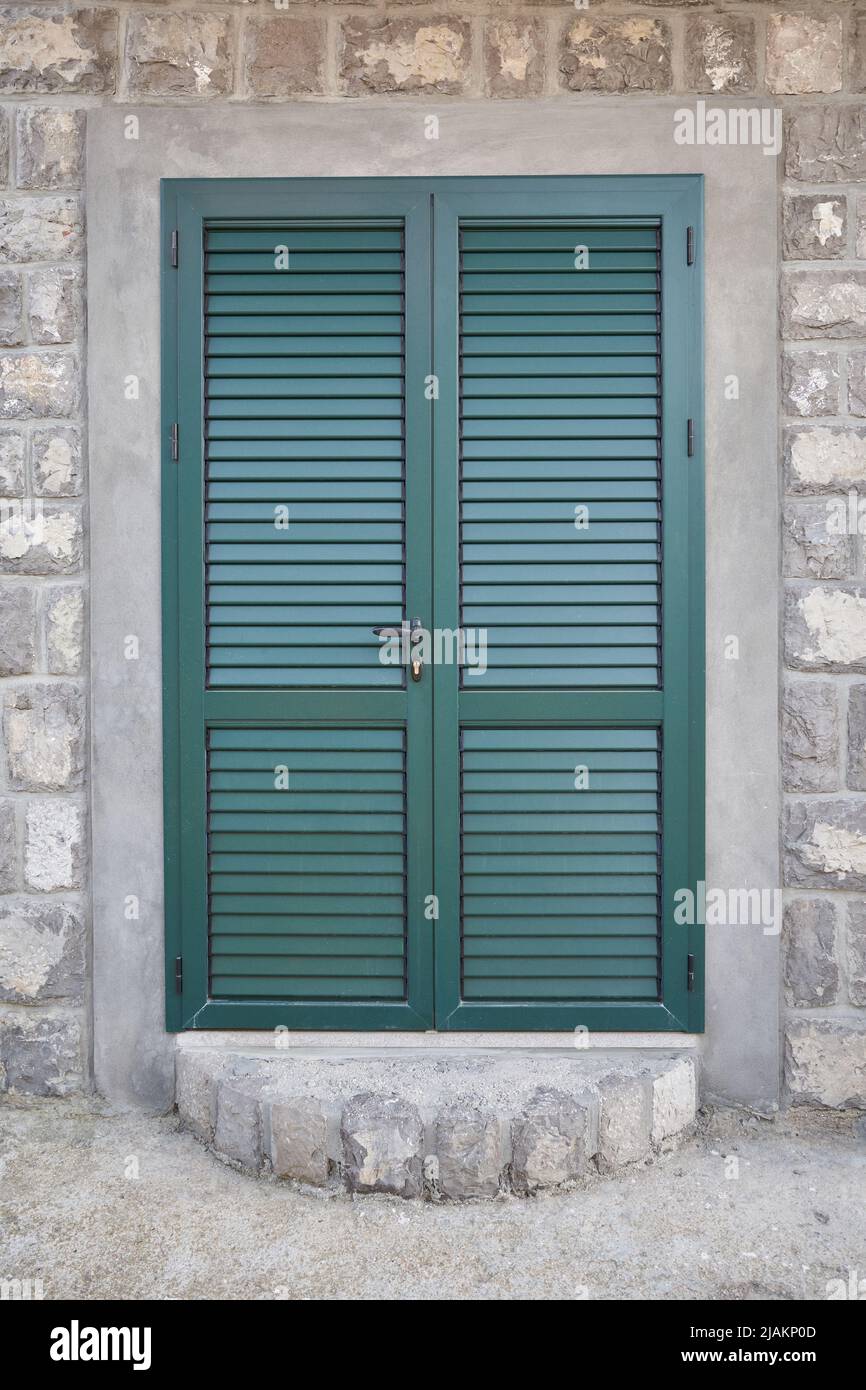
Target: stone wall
57	62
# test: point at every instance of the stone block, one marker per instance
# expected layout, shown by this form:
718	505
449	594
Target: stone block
54	306
814	226
53	50
64	630
811	383
54	845
41	1056
823	303
43	728
38	384
826	144
720	53
40	229
57	461
553	1139
182	53
299	1140
17	629
816	543
514	57
237	1132
811	953
470	1152
50	148
810	736
625	1121
629	53
804	53
824	844
674	1102
13	449
41	951
382	1145
285	56
405	54
825	1062
40	540
825	628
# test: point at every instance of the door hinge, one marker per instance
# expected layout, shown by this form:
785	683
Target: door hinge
174	249
690	245
690	972
690	438
175	453
178	974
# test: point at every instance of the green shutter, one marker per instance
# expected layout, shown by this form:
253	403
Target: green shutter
304	416
392	399
559	396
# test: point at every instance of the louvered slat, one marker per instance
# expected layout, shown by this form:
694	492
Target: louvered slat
560	885
307	881
305	486
559	409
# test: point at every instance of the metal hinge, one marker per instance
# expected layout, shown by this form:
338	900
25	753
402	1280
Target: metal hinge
690	972
175	452
690	245
178	974
690	438
174	249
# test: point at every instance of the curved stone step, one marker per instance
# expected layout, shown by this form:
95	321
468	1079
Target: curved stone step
421	1124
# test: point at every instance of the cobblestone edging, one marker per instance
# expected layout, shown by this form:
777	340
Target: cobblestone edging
458	1128
57	61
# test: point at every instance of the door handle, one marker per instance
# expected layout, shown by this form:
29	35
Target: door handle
416	665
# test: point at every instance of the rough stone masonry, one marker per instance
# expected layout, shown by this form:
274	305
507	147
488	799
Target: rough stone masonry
58	61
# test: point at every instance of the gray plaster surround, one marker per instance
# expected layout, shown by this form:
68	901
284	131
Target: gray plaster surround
133	1054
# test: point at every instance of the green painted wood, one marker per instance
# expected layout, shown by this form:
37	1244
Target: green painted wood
557	387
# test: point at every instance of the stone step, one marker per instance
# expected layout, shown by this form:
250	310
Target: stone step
419	1123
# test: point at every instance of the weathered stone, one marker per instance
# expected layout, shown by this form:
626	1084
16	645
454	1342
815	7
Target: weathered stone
237	1132
431	54
804	53
11	326
196	1075
815	544
824	303
57	460
53	845
514	57
54	305
810	736
41	951
50	147
299	1141
38	539
860	239
469	1150
674	1102
857	55
856	771
48	50
857	383
17	629
38	384
624	1121
856	953
285	56
825	844
810	383
382	1145
43	726
720	54
8	847
40	229
825	628
552	1140
180	54
40	1056
811	953
628	54
824	457
825	1062
64	630
826	144
814	226
12	451
4	149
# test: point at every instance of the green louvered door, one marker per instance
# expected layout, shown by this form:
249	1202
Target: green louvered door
293	844
466	402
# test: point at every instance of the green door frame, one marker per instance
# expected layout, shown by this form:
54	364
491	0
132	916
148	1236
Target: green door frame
432	209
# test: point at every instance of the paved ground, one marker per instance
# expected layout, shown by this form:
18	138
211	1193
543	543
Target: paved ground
101	1205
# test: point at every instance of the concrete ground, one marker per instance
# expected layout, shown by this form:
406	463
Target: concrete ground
105	1205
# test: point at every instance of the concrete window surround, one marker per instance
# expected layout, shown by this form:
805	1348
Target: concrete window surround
133	1055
